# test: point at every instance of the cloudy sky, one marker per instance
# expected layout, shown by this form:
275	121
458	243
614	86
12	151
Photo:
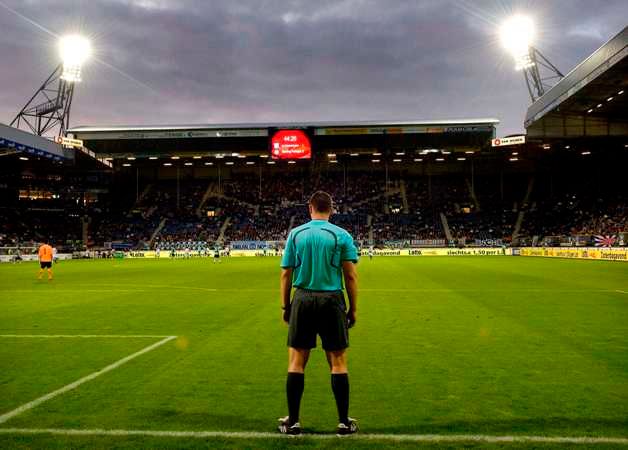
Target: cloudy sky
217	61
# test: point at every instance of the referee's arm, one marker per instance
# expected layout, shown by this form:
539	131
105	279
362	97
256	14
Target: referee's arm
286	288
288	261
350	274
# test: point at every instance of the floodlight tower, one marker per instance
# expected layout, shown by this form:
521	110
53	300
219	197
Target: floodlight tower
49	107
517	36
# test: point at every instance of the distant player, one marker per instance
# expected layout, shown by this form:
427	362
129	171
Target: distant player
318	255
45	260
54	255
370	252
216	255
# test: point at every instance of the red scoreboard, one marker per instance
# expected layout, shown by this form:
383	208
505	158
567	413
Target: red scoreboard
290	144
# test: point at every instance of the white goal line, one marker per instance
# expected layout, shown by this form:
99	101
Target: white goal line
38	401
363	437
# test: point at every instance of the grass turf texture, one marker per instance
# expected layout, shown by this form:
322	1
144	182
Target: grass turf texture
444	345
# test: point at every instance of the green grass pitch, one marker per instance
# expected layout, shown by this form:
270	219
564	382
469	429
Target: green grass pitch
443	345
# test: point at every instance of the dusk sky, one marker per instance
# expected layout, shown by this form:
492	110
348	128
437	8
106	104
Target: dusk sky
218	61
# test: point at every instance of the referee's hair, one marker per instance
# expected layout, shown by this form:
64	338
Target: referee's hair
321	202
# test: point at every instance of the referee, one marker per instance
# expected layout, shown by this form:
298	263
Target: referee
317	256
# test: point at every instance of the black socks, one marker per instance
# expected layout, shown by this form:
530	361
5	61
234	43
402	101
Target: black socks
340	386
294	390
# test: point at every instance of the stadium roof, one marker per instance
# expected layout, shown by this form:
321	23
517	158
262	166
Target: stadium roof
119	131
589	101
16	141
252	138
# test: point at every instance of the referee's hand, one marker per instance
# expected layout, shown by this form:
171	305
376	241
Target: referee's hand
285	315
351	317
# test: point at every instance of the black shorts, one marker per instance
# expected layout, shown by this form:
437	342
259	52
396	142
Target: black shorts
322	313
45	264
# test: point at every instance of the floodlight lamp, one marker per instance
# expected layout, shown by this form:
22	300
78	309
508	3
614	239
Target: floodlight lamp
516	35
74	50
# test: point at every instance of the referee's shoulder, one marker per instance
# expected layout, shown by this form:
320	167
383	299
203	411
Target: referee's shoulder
295	230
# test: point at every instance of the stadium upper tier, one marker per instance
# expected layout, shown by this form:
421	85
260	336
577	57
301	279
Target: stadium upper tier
253	139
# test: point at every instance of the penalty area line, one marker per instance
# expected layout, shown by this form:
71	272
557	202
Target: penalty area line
84	336
362	437
32	404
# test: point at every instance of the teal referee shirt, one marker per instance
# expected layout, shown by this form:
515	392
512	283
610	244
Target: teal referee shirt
315	251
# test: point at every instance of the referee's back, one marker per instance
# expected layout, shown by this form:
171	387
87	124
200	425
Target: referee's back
315	251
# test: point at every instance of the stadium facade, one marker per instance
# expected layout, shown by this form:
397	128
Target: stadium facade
397	184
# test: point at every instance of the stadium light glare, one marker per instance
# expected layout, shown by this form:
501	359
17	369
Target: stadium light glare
23	158
263	156
196	157
126	165
513	159
74	50
609	99
209	163
174	157
590	110
585	153
418	159
229	163
375	160
440	159
250	163
294	162
461	159
187	164
377	154
396	160
354	154
167	164
470	152
152	157
400	153
620	92
130	158
516	35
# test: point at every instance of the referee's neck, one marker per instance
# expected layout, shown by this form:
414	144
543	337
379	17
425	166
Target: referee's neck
319	216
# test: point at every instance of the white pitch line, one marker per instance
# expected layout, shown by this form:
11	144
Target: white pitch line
620	291
364	437
85	379
83	336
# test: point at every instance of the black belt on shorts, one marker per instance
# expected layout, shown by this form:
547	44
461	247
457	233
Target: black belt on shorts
311	291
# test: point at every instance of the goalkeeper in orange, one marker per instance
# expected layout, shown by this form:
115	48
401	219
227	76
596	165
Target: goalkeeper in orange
45	260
